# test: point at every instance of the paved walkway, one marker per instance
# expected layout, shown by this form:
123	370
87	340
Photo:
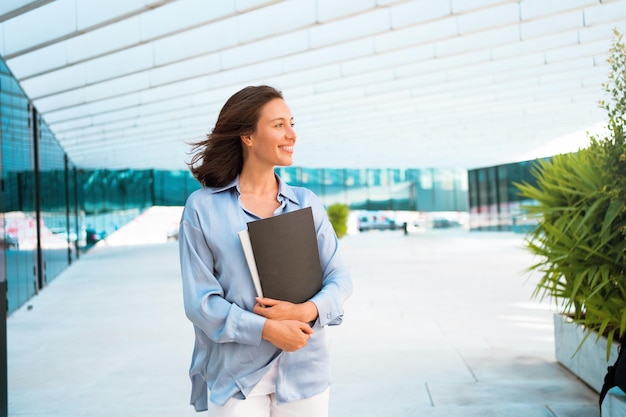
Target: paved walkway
441	324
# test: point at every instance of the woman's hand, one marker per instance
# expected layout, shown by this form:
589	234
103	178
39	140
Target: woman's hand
286	325
288	335
283	310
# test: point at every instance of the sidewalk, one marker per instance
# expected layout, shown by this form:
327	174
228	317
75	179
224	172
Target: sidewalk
440	324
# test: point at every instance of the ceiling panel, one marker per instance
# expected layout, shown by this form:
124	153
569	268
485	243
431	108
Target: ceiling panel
371	83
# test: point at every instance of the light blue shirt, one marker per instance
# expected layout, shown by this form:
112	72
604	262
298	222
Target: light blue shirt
229	356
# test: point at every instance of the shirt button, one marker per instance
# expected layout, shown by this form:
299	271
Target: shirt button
328	316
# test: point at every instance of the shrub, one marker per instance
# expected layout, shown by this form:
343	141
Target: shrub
581	206
338	216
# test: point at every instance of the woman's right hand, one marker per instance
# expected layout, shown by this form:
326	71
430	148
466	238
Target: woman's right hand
287	335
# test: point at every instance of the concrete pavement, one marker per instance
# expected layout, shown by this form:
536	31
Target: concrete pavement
441	323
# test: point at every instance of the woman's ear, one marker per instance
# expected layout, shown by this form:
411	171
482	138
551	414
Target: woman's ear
246	139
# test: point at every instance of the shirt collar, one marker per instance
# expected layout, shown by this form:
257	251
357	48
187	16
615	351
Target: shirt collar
233	183
284	190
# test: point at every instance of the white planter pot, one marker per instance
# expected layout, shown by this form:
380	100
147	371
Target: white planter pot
589	363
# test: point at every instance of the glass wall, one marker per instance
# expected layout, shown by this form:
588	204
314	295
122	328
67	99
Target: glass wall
494	200
19	268
109	199
38	204
384	189
58	215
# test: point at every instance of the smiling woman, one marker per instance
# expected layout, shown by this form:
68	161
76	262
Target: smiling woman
256	356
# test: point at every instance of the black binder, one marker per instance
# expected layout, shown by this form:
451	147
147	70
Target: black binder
284	251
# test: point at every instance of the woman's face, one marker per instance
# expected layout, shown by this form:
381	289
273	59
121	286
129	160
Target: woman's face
272	142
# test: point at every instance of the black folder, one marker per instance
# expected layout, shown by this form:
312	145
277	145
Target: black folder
285	253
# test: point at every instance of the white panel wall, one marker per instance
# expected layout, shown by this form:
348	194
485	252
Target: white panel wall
328	10
502	15
376	21
418	34
552	24
54	20
276	19
420	11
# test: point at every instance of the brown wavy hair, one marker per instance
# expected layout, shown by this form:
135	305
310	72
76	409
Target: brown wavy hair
218	159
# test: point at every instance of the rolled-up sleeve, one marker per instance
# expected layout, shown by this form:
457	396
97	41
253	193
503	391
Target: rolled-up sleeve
337	280
203	297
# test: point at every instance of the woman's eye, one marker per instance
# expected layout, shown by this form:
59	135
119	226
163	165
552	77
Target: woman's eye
292	124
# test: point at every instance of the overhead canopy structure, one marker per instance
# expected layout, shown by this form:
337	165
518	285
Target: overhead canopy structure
371	83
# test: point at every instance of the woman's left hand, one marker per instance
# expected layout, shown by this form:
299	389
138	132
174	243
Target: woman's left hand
284	310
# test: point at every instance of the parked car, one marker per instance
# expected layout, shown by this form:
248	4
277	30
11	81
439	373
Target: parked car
377	222
443	223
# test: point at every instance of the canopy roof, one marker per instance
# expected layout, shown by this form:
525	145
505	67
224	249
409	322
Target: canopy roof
371	83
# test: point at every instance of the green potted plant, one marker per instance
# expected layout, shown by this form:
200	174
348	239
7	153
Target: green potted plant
580	240
338	216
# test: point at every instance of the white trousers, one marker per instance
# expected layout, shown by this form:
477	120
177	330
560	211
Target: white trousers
262	403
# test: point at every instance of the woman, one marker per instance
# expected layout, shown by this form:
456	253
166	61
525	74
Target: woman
256	356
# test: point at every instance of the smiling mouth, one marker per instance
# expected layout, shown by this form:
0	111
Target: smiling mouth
288	148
